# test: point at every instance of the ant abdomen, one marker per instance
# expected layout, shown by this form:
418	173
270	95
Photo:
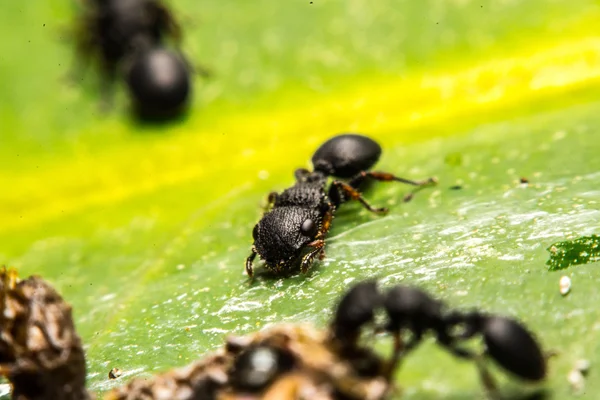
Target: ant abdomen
514	348
159	82
346	155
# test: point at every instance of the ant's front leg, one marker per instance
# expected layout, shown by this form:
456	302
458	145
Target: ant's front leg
325	226
325	221
401	349
308	258
249	261
354	194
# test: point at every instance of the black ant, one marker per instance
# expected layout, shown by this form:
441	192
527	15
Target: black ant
299	217
412	311
43	358
127	37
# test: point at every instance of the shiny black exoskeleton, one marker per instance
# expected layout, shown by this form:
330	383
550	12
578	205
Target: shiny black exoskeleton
294	228
128	38
413	313
257	367
159	82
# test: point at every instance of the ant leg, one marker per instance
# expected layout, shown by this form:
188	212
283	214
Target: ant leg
488	381
198	69
309	257
203	71
387	177
107	86
167	22
271	199
325	222
325	226
85	47
249	260
354	194
396	355
401	349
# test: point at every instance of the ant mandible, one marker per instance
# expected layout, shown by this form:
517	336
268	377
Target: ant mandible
412	311
300	217
127	37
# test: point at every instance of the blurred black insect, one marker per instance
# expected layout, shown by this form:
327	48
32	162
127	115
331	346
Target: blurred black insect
43	358
298	219
128	37
413	313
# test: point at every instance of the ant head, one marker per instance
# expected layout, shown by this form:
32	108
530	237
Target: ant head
159	83
258	366
411	308
355	309
514	348
282	234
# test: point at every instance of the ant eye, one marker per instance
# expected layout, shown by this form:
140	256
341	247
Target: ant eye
255	232
309	228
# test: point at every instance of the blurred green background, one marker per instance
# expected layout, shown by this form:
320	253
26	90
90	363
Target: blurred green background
144	229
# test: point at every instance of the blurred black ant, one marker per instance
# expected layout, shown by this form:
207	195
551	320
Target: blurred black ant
412	311
127	37
300	216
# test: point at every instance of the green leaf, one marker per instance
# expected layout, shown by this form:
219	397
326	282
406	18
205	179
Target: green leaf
145	229
582	250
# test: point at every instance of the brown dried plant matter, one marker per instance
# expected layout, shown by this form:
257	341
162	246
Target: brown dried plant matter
321	372
42	357
40	352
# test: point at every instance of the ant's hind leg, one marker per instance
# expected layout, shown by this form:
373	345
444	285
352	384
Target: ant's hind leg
352	193
167	22
488	381
387	177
